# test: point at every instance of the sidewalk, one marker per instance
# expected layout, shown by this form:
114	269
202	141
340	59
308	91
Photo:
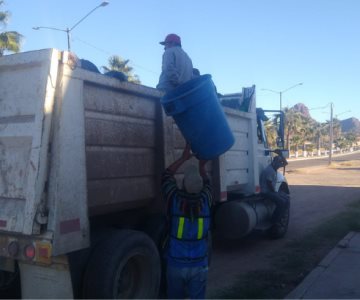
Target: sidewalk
337	276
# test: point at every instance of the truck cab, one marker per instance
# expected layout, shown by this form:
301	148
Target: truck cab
243	208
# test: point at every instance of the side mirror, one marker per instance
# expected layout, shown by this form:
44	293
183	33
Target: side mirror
279	142
285	153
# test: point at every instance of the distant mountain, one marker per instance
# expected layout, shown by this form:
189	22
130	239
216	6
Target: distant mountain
347	125
350	125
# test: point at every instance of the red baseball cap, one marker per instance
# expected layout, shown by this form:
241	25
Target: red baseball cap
172	37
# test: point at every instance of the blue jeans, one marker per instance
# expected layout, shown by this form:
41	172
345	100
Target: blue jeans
188	282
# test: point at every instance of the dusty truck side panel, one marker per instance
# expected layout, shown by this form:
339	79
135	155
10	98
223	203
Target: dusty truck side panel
123	143
107	153
27	95
238	168
67	198
122	146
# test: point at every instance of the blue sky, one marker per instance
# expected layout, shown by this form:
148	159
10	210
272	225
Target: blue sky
273	44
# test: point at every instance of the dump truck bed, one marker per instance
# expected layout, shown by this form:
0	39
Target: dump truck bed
75	143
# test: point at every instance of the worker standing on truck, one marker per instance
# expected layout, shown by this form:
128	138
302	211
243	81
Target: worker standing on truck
176	67
268	180
188	212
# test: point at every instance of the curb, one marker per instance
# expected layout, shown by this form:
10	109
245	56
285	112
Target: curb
309	282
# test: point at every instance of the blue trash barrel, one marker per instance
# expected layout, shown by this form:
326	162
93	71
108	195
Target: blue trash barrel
197	112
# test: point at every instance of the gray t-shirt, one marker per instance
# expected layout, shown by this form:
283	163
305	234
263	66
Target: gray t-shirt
268	174
177	68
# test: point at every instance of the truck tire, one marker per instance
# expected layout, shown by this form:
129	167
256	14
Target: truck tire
124	266
279	229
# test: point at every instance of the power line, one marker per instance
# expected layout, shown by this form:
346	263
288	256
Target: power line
322	107
110	54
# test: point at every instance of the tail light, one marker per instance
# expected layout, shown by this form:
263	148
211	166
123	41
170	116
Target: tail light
13	248
29	252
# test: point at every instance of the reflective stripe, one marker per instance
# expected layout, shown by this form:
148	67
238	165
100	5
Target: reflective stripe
180	227
200	228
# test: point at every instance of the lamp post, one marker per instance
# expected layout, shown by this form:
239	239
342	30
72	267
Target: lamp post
68	30
283	91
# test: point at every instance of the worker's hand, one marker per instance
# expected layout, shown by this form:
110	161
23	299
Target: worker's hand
186	155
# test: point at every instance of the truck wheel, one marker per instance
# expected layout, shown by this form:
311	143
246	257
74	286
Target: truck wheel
279	229
126	265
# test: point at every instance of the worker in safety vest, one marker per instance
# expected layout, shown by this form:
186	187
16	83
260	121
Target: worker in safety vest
188	211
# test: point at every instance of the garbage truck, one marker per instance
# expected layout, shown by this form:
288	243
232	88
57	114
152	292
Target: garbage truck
81	158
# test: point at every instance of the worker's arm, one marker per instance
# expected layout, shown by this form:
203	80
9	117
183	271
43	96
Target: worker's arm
207	190
168	182
169	67
271	180
186	155
270	185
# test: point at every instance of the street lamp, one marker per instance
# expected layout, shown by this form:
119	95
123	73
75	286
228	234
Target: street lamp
283	91
68	30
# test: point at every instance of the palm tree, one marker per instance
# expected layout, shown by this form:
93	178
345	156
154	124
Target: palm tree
9	40
336	128
350	138
310	134
336	131
294	127
116	63
271	133
319	132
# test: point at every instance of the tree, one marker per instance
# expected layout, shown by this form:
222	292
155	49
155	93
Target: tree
9	40
319	132
116	63
271	133
346	141
311	134
294	128
350	138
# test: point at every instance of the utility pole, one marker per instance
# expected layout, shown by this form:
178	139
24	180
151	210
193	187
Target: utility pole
331	132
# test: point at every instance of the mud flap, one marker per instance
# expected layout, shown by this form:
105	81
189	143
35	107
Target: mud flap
46	282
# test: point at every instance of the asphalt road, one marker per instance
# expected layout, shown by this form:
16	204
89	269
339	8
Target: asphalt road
310	162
